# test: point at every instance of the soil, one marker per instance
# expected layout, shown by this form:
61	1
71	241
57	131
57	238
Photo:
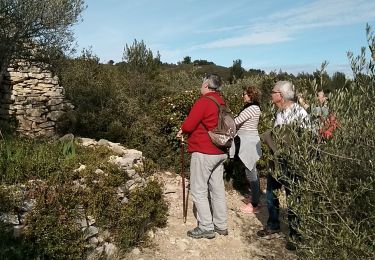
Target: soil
242	242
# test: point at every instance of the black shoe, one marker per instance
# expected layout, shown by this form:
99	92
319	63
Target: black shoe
266	232
223	232
291	246
200	233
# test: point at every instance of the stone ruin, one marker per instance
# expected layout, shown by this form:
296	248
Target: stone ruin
32	97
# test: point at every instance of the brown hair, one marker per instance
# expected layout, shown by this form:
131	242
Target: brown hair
254	93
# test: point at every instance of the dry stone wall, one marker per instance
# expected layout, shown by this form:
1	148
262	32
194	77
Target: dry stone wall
33	97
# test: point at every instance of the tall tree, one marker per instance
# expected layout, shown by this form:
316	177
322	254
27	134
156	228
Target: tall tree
36	28
236	71
187	60
339	81
139	59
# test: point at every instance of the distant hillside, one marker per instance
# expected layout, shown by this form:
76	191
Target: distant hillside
198	70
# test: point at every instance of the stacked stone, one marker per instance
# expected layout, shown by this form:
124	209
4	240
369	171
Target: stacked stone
34	98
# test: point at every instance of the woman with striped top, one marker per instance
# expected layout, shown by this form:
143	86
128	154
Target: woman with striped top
247	144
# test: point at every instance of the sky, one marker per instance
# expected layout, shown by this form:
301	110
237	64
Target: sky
271	35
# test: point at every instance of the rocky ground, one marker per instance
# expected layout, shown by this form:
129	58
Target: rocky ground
242	242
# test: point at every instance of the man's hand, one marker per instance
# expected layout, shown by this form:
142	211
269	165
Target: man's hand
180	135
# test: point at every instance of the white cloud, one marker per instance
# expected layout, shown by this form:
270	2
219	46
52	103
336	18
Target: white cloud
251	39
283	25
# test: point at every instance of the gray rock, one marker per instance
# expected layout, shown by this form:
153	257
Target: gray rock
99	171
67	138
124	163
129	184
80	168
136	251
131	173
91	220
90	232
87	141
93	241
110	249
103	142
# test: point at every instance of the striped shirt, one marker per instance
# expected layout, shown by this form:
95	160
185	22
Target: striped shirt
248	119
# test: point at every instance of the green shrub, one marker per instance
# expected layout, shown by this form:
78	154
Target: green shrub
52	230
335	198
145	210
53	225
26	159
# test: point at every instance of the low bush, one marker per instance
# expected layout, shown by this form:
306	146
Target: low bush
45	172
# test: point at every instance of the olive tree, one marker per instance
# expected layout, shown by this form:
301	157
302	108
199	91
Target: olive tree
36	28
335	197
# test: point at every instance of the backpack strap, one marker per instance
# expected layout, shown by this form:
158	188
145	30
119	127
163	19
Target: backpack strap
214	100
219	112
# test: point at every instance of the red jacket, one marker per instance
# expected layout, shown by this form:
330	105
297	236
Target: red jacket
204	111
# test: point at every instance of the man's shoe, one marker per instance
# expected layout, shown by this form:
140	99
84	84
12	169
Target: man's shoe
291	246
223	232
266	232
200	233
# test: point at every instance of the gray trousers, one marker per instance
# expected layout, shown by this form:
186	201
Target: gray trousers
207	189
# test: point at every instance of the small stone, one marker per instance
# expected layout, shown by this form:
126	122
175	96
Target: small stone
151	234
136	251
181	245
94	241
80	168
194	253
90	232
110	249
90	220
99	171
67	138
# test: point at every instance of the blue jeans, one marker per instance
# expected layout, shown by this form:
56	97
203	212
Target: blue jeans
273	204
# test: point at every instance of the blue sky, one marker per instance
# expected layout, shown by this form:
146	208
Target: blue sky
294	36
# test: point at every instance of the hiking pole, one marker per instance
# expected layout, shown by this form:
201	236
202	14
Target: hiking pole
184	209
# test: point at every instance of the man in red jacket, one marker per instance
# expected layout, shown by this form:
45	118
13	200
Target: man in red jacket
206	165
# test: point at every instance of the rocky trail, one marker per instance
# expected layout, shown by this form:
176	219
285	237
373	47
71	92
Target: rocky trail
242	242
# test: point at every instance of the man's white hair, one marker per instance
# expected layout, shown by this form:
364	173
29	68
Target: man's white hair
287	89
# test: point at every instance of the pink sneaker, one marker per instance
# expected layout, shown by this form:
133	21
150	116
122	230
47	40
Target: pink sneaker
249	209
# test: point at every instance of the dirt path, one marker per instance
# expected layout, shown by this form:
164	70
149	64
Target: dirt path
172	242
